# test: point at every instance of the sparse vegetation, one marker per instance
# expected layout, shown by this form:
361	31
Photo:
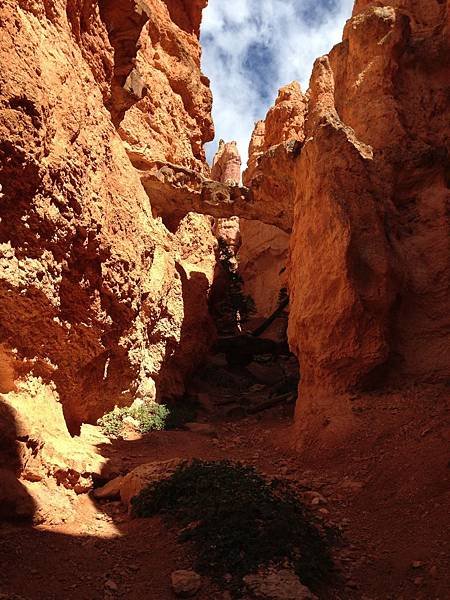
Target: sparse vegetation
236	306
239	522
144	417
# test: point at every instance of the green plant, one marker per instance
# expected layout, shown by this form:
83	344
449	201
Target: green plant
239	522
112	422
236	306
145	417
151	416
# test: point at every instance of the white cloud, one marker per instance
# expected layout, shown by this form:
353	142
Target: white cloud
253	47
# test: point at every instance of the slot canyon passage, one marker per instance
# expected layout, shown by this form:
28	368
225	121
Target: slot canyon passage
217	385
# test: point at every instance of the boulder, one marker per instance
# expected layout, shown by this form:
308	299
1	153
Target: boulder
144	475
110	490
185	584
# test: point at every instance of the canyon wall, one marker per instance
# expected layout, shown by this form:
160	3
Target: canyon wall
263	255
100	301
369	266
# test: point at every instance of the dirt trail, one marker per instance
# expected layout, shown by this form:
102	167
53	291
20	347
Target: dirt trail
388	494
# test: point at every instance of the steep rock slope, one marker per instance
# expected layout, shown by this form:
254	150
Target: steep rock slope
100	303
263	255
369	276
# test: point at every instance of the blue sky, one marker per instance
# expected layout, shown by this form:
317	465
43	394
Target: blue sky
253	47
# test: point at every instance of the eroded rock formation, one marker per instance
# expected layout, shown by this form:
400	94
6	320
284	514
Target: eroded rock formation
274	146
107	251
369	276
100	303
175	191
226	169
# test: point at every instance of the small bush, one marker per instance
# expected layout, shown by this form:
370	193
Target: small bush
112	422
151	416
145	417
238	522
236	307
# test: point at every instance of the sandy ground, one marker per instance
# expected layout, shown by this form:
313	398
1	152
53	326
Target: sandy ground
387	492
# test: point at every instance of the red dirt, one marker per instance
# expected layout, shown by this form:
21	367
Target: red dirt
388	493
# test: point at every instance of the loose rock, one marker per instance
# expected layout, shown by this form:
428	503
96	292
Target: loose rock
277	585
185	584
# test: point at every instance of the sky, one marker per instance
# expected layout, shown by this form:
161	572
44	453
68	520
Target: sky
253	47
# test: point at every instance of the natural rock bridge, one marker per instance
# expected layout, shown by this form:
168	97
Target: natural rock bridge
175	190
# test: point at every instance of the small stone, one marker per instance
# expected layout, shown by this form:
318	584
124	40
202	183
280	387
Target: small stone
433	571
417	564
314	498
111	585
185	583
418	581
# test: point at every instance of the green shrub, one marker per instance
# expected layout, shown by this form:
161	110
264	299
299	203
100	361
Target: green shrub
112	422
149	416
239	522
236	307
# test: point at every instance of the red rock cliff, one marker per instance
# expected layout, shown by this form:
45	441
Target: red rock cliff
100	302
369	274
263	255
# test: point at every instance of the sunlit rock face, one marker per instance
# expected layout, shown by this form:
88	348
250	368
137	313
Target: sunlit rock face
369	277
226	168
263	254
98	297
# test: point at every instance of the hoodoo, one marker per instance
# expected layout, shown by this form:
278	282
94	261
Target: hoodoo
261	359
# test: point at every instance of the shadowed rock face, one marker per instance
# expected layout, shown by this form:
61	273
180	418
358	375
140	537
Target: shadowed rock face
369	277
226	168
124	21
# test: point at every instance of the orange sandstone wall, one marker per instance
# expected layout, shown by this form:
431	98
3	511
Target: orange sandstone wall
263	255
99	301
369	274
